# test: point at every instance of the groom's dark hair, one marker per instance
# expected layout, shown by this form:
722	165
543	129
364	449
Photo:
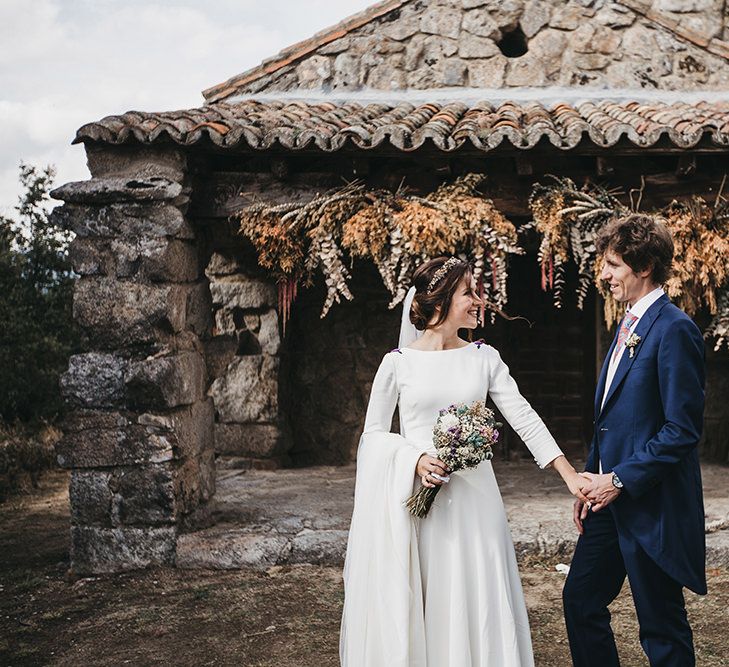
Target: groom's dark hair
643	242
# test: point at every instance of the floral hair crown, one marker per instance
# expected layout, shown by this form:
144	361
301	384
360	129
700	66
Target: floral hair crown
441	272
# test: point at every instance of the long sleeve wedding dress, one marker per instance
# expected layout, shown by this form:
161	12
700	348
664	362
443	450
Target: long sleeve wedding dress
442	591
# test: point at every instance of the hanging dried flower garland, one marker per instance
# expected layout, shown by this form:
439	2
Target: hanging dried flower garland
701	261
719	327
395	231
489	238
398	230
568	219
701	253
294	240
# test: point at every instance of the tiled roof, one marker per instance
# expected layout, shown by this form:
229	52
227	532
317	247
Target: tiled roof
407	126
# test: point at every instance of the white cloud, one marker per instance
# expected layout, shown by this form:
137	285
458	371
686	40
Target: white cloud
30	31
64	63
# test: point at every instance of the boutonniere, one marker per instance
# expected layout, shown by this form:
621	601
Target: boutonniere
631	342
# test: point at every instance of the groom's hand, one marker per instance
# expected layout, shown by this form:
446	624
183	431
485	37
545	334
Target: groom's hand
600	491
579	514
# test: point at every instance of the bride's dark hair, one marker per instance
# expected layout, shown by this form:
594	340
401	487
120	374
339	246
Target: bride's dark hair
424	303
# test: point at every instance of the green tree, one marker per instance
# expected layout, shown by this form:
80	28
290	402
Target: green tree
37	334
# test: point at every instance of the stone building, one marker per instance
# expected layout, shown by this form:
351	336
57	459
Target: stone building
185	353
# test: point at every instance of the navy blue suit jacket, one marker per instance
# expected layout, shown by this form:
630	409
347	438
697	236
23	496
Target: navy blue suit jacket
647	432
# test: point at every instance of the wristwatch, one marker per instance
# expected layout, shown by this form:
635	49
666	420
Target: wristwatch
616	482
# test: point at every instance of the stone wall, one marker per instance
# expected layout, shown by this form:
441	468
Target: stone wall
551	356
516	43
715	439
704	17
332	363
138	438
244	360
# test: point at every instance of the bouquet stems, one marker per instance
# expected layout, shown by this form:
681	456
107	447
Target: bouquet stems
419	503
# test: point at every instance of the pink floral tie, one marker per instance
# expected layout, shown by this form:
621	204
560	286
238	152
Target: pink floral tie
628	321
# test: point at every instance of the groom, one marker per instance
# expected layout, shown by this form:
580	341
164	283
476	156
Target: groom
645	517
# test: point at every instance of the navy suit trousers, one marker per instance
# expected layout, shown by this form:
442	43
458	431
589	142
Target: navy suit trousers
601	561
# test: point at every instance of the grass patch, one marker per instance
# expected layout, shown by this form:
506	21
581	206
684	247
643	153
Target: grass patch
201	594
27	582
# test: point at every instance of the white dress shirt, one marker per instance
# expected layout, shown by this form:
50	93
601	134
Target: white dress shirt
638	309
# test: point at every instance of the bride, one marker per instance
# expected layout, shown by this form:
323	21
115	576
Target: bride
442	591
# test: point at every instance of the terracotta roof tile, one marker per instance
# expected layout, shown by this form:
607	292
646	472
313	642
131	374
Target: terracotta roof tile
330	126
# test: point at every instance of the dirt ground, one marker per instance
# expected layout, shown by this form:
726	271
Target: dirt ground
285	617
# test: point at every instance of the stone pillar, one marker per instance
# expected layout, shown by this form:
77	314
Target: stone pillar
138	438
244	359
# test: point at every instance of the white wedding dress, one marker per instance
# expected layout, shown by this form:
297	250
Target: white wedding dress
443	591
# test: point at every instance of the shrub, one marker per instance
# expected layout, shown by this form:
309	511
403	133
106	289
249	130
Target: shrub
36	285
24	454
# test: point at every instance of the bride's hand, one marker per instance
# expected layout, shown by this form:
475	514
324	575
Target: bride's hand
427	465
575	483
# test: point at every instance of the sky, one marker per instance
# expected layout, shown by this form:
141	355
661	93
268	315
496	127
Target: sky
64	63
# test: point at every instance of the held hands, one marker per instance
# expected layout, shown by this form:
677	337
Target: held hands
599	492
574	481
577	483
427	467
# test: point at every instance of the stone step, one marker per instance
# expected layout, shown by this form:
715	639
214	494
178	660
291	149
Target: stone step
717	549
233	548
230	548
301	516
